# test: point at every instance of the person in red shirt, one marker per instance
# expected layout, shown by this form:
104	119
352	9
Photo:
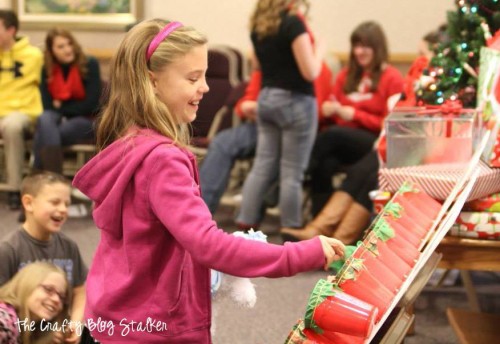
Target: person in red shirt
362	95
420	64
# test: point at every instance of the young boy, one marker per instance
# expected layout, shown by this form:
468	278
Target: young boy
45	197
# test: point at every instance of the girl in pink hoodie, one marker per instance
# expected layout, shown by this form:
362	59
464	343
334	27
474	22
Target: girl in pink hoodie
150	277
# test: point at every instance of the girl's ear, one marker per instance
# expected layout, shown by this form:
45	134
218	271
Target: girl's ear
152	78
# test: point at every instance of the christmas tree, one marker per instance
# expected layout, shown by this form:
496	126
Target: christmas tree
453	71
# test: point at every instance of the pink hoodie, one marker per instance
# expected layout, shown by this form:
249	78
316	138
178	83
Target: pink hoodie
158	241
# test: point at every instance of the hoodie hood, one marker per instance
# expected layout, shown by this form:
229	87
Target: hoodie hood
105	178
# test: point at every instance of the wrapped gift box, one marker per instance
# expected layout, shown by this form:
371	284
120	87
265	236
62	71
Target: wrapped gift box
489	203
488	100
481	225
429	136
438	180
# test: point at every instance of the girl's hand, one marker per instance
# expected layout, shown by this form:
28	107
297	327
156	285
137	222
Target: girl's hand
57	337
56	103
346	112
332	248
329	107
72	338
249	109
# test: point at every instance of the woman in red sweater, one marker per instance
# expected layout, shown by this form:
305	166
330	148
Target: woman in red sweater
361	97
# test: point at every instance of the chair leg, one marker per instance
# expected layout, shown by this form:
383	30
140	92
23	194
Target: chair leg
470	290
52	158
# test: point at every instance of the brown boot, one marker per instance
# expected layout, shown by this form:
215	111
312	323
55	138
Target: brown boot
52	158
326	221
356	219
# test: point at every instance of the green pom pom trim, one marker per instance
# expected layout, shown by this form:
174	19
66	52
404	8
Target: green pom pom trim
321	291
337	265
394	209
383	230
407	187
296	333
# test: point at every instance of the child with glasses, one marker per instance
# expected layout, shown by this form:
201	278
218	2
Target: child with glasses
45	197
33	305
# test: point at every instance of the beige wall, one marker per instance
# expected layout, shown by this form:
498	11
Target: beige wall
225	21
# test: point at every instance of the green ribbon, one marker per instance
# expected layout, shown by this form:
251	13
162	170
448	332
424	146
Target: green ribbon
383	230
350	269
296	333
321	291
407	186
394	209
370	243
337	265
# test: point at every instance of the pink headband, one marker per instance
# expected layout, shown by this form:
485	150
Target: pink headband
167	30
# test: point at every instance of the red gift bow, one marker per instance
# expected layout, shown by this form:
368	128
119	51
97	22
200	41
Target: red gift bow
449	109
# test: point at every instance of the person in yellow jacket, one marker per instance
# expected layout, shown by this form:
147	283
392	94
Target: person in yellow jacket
20	100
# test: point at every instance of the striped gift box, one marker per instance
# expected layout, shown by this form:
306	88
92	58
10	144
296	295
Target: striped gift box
439	179
481	225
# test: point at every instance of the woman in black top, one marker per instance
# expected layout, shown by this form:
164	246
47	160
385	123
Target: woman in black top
287	113
71	88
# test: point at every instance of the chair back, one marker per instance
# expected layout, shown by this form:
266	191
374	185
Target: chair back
222	77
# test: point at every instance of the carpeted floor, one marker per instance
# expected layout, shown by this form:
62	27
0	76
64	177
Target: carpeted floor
280	302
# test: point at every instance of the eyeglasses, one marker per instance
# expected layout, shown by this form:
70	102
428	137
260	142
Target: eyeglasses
51	291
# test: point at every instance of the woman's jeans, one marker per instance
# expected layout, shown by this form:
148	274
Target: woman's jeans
226	147
52	130
287	125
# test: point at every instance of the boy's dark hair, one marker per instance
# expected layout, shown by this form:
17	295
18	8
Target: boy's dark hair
9	19
33	183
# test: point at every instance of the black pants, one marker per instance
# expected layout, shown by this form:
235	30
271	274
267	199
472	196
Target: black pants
362	177
335	149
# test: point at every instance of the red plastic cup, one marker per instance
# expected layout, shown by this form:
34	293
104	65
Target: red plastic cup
390	259
412	235
423	201
405	251
403	248
296	335
329	338
367	288
417	216
410	225
378	269
344	313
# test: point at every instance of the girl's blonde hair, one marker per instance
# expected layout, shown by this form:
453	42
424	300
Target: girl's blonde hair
266	18
20	287
49	57
132	101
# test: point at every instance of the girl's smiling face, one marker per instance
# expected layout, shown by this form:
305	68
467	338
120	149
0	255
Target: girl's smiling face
181	84
63	50
47	300
363	55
